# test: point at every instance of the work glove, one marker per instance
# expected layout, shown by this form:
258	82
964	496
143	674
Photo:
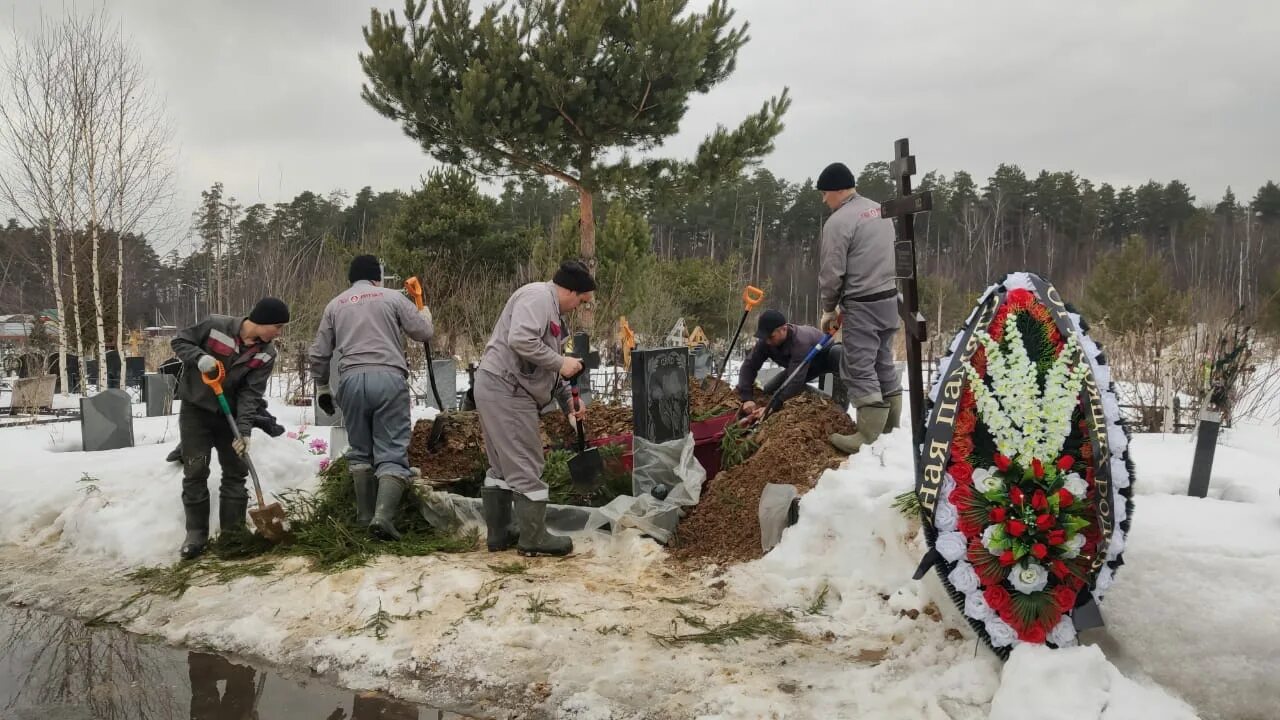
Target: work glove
830	321
207	364
240	445
268	425
324	399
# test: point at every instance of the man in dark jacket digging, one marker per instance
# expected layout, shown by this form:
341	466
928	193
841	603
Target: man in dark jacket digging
786	345
265	421
365	324
244	346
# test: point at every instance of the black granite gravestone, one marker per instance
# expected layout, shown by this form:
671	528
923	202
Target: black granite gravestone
660	393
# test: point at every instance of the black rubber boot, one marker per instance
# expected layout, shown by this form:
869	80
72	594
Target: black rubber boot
231	515
366	487
383	526
502	535
197	530
175	455
531	517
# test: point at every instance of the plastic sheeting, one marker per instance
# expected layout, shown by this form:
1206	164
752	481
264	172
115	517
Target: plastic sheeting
671	464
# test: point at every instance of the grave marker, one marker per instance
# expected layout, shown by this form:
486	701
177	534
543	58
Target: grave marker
446	370
134	369
580	347
32	395
157	393
660	393
114	367
106	421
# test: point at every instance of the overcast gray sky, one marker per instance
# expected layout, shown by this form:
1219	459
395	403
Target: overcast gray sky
264	95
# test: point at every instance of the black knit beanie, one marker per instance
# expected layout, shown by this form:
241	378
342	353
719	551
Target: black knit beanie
270	311
365	267
574	276
836	176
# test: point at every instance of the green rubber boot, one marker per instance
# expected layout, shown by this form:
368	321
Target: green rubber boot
531	517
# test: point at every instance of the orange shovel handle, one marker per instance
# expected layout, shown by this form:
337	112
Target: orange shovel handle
751	297
215	382
414	288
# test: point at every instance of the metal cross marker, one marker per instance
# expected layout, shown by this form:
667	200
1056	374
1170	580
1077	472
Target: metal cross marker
904	208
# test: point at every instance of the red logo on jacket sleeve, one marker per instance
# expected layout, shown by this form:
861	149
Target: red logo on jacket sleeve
555	329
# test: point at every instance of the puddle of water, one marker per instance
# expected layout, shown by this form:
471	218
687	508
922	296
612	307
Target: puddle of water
56	668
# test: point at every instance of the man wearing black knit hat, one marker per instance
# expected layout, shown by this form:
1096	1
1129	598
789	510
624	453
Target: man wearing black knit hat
520	372
857	279
245	348
365	324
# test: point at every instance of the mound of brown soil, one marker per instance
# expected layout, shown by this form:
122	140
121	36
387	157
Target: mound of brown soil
793	450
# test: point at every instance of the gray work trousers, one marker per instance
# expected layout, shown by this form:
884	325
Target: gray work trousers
866	332
375	411
512	436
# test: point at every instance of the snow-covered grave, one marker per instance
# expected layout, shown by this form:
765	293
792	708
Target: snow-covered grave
606	633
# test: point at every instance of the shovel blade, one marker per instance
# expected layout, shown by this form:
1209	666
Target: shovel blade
585	470
437	432
268	520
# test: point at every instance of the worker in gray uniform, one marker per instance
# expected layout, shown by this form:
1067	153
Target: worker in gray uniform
520	372
856	279
786	345
364	324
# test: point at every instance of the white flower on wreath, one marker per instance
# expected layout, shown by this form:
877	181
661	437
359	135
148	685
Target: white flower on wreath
987	482
1105	579
948	485
1001	634
988	541
976	607
1030	578
1064	633
945	517
951	545
963	578
1074	544
1075	485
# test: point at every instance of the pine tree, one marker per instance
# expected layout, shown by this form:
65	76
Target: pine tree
562	88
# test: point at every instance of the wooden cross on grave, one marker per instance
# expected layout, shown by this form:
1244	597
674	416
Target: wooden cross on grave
904	208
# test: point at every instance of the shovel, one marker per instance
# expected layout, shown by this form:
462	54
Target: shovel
586	467
267	519
751	297
414	289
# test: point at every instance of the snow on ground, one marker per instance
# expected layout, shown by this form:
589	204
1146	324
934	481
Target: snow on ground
1190	617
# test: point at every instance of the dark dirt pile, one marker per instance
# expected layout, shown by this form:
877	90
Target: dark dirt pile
792	450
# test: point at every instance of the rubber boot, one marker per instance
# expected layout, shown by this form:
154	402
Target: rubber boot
175	455
383	526
497	518
197	530
894	421
231	515
531	517
366	487
871	421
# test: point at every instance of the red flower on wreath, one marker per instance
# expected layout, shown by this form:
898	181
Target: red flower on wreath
1015	527
997	515
1039	501
962	472
1057	537
1021	299
1059	569
1064	597
961	447
961	496
1007	558
997	598
1002	463
1032	633
1066	462
1045	522
1065	498
1015	495
1037	468
966	421
1039	551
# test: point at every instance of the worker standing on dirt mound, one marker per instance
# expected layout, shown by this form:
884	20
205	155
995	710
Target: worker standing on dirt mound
856	279
365	324
520	372
786	345
244	346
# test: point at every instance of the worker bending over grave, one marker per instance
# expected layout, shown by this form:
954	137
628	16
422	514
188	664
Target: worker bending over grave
364	323
520	372
244	346
786	345
856	279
